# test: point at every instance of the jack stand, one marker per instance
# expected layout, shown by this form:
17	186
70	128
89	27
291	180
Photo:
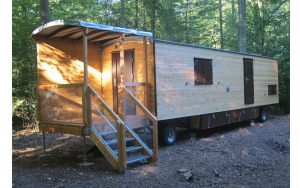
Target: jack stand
44	145
85	163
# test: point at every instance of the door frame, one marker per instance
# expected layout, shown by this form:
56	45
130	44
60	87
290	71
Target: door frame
115	77
248	88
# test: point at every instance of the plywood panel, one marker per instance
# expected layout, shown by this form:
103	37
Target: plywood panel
178	96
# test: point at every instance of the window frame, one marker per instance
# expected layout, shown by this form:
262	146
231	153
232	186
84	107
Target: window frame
207	66
272	89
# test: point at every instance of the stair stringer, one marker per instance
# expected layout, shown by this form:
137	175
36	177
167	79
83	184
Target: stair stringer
104	148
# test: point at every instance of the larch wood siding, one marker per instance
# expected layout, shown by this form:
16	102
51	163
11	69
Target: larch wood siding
178	96
60	61
139	69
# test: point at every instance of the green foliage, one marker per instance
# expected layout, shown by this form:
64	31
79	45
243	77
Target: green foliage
24	113
192	21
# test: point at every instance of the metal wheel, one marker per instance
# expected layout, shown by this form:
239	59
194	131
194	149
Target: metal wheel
167	135
263	115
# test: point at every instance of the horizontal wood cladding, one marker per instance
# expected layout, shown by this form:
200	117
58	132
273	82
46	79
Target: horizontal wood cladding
139	69
61	62
178	96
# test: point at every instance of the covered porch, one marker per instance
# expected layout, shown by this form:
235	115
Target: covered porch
97	80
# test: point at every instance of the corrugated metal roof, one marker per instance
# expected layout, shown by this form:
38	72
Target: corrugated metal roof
73	30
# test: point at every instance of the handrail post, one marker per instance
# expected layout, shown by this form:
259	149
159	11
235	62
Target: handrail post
155	142
121	147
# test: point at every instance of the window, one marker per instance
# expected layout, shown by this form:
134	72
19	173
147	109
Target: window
203	71
272	89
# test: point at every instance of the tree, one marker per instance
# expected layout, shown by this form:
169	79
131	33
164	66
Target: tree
45	15
122	14
153	10
221	25
136	21
242	26
186	22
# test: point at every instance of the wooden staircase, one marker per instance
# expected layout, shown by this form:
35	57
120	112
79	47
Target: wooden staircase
119	143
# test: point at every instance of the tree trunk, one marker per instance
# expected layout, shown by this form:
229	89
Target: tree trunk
232	9
122	14
45	15
136	24
153	17
186	22
221	25
144	15
242	26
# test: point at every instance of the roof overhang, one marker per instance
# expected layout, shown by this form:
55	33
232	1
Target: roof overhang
74	30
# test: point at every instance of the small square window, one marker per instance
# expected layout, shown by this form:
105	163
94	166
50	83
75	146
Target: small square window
272	89
203	71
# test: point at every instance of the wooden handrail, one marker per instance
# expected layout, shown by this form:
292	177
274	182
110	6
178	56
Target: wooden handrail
141	106
154	121
120	122
105	119
134	84
50	86
112	113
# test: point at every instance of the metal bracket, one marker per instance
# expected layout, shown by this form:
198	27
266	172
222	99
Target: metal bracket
86	131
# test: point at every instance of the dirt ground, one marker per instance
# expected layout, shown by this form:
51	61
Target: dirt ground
240	155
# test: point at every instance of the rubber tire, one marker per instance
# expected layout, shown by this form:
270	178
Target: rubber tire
263	115
163	134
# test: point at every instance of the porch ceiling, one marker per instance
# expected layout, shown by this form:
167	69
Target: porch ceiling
98	33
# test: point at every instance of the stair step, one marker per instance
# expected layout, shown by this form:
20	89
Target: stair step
111	133
114	141
136	158
130	149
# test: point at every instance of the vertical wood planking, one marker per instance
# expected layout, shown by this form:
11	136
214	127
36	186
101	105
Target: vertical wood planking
139	69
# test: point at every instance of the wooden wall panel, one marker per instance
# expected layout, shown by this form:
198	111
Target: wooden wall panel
139	69
178	96
61	62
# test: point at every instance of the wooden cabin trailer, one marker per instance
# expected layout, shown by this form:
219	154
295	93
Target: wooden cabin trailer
122	87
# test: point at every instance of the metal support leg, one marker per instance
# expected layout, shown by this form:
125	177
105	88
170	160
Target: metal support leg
44	142
85	163
84	150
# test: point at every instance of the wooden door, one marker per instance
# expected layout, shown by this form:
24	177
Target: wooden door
129	77
248	81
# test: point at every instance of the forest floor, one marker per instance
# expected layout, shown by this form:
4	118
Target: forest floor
240	155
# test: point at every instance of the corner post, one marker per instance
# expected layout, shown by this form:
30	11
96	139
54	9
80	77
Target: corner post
145	39
86	97
86	102
122	76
